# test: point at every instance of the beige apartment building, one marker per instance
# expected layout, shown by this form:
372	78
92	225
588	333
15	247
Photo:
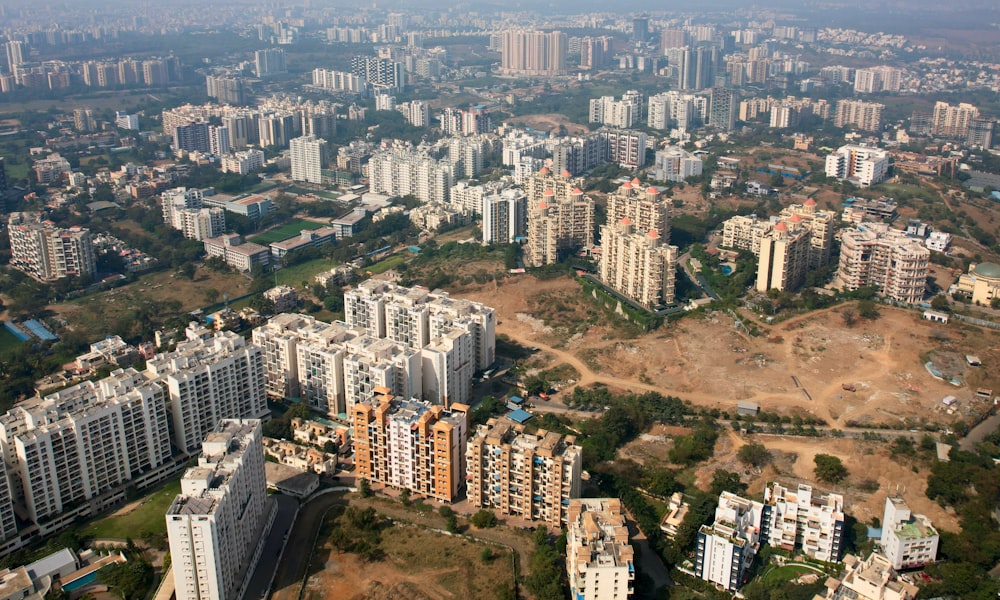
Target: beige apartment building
784	257
530	476
866	116
411	445
599	558
556	226
886	259
46	252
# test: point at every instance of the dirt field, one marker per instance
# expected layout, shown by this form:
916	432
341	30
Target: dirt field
794	367
550	122
419	566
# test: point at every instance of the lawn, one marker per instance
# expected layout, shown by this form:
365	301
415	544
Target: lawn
145	516
296	274
284	232
8	341
390	263
786	573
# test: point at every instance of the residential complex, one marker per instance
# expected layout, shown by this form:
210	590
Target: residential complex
799	519
909	541
207	378
217	524
309	158
870	579
860	165
886	259
727	547
784	257
183	210
401	172
675	164
599	558
532	53
560	218
622	113
952	121
636	258
46	252
411	445
531	476
866	116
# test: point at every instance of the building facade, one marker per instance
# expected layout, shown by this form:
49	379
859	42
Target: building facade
46	252
529	476
599	559
411	445
861	165
217	522
887	259
799	519
726	548
557	224
909	541
309	158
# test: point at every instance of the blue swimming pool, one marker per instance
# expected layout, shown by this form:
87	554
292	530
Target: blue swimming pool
80	582
726	270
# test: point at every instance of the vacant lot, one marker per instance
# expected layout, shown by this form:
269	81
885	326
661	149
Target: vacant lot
417	565
288	230
794	367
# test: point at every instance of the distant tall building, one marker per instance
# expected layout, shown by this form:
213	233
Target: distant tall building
622	113
722	109
381	73
526	52
218	140
83	119
217	523
673	38
980	133
952	121
226	89
866	116
863	165
46	252
15	55
309	158
192	137
696	70
595	53
877	79
640	29
124	120
270	61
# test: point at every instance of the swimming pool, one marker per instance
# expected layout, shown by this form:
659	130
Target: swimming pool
726	270
80	582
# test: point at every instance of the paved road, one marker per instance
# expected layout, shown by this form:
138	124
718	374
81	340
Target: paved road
273	547
292	568
979	432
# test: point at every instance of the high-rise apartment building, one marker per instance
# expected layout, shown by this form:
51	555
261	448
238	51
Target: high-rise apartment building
595	53
46	252
696	67
877	79
401	172
226	89
209	378
216	525
599	559
784	257
304	358
952	121
192	136
980	133
531	476
722	109
533	53
677	110
84	442
505	216
381	73
411	445
622	113
218	140
625	147
557	226
862	165
578	154
309	157
909	541
636	258
727	547
270	61
886	259
676	164
866	116
799	519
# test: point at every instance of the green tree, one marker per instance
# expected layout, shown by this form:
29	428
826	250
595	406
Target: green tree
364	489
131	579
484	519
754	455
867	309
727	481
829	468
940	302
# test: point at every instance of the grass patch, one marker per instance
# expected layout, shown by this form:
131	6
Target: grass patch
786	573
390	263
284	232
148	517
8	341
296	274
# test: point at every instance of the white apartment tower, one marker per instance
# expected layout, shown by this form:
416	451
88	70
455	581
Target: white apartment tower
798	518
83	442
599	558
309	156
504	216
726	549
861	165
909	541
209	379
622	113
216	524
529	476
